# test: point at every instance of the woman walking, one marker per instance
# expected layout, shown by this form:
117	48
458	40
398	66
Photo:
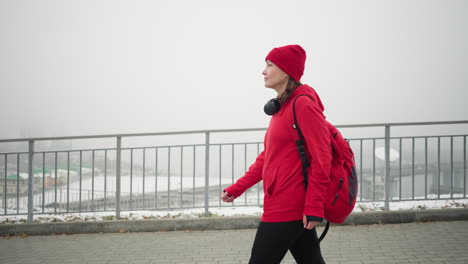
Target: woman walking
290	211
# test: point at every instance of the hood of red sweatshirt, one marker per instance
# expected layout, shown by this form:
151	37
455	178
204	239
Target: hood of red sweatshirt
307	90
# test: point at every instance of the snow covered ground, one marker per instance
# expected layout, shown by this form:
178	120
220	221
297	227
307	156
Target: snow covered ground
222	211
175	184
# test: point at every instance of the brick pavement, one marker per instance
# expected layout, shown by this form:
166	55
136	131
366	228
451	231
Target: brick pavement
432	242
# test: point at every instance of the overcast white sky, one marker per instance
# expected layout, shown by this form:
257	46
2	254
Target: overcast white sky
98	67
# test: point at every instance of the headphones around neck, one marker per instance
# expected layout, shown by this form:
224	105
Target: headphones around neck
272	107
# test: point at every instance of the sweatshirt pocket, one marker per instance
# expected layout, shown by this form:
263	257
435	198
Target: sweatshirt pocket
269	180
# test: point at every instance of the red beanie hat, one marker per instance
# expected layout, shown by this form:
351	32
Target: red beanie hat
290	59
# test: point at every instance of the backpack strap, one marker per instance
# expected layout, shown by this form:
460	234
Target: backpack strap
300	143
325	231
305	162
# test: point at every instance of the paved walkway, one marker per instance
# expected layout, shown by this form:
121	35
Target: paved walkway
432	242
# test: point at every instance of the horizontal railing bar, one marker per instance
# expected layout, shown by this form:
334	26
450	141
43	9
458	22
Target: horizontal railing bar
135	134
406	137
443	136
230	144
15	153
371	138
74	150
214	144
405	124
101	149
222	131
164	146
134	148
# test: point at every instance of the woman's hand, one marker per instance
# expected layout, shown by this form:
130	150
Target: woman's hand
227	198
309	225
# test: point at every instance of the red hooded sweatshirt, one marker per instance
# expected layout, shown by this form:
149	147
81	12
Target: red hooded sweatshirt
280	167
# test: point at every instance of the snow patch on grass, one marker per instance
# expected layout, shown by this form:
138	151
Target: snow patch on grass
219	212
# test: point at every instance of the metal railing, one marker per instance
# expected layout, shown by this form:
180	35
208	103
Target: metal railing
176	176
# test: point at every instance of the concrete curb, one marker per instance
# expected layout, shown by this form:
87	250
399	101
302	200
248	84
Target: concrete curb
220	223
407	216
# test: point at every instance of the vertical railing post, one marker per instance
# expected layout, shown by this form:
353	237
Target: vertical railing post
5	185
118	176
207	172
30	181
387	168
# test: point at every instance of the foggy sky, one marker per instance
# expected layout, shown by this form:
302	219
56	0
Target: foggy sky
99	67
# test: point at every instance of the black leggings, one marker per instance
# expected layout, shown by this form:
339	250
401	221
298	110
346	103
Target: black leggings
273	240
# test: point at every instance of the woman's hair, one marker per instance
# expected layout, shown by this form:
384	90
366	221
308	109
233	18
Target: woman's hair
290	87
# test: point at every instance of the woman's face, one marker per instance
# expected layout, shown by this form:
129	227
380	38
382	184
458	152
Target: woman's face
274	77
